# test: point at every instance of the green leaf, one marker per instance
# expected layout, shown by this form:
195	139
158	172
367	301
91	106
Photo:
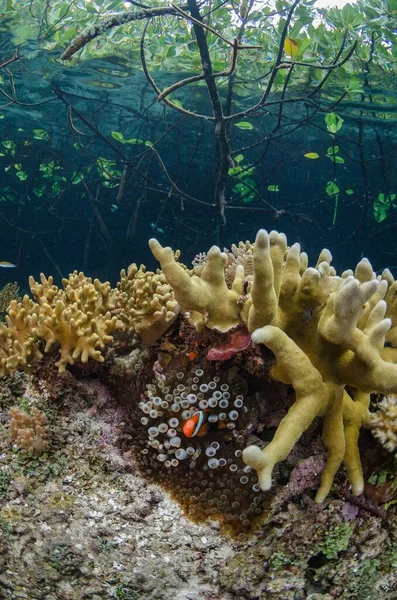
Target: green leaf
234	171
149	144
76	177
273	188
237	159
10	146
349	192
380	212
333	122
177	103
117	135
40	134
244	125
336	159
331	188
22	176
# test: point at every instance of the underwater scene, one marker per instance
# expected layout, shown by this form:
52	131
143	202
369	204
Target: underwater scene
198	299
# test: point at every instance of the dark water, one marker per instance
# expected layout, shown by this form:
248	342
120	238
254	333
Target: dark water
96	229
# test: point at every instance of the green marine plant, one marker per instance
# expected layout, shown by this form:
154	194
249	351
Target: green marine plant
336	539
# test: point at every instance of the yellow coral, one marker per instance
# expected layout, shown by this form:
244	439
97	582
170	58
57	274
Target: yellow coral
28	432
80	317
210	302
326	331
147	304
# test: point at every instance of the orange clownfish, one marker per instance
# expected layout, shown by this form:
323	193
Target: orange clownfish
197	425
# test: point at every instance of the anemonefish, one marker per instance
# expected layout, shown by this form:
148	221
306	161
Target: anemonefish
197	425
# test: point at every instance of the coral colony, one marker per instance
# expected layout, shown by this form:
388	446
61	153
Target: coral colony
334	339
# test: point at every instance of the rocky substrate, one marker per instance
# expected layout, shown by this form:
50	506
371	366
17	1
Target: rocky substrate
78	521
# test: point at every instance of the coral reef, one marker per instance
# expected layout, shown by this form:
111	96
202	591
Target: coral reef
384	423
220	375
81	318
28	431
327	332
203	469
146	304
82	523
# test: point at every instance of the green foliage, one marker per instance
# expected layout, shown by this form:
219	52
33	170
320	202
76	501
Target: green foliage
108	171
332	190
246	185
10	147
332	153
40	134
382	206
333	122
117	135
244	125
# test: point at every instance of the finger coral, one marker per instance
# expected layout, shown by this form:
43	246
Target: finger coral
210	302
28	432
146	304
80	318
327	332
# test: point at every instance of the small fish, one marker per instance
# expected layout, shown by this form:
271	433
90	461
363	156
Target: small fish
156	229
312	155
7	265
197	425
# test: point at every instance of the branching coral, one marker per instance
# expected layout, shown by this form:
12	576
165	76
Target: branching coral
81	317
77	318
327	332
384	423
28	432
146	304
210	302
